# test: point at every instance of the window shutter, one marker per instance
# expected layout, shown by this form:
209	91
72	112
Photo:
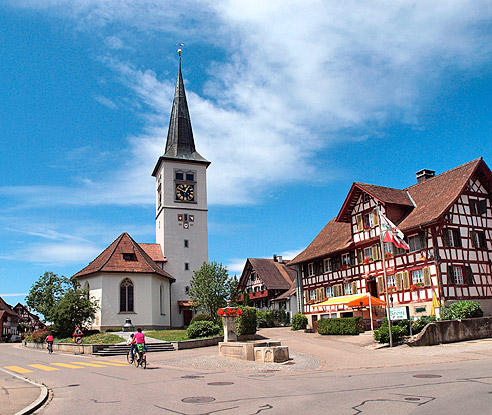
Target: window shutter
374	250
342	291
354	287
406	280
473	238
399	281
360	223
457	238
380	285
306	271
473	206
423	239
482	206
375	217
306	296
352	257
481	239
323	293
451	275
469	275
445	237
427	277
335	291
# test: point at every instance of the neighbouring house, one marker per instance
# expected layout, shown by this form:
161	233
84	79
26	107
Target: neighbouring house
28	318
447	221
149	283
269	284
9	320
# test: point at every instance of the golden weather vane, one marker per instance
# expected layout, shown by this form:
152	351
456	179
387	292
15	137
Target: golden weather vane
180	50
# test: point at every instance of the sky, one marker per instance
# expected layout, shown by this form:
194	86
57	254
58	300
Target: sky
291	101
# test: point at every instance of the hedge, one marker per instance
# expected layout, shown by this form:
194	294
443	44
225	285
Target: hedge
346	325
265	318
246	323
201	317
202	329
462	309
299	322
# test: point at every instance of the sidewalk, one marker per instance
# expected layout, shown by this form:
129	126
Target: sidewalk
19	395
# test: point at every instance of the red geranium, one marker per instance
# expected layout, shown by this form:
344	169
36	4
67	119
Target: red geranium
229	312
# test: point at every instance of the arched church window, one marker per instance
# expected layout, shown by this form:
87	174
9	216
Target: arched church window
126	295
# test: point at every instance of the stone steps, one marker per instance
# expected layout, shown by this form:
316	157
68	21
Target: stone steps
122	349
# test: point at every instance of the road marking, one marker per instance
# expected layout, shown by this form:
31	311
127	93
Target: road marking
88	364
17	369
67	365
111	363
44	367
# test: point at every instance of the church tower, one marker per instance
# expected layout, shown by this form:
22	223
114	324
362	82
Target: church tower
181	205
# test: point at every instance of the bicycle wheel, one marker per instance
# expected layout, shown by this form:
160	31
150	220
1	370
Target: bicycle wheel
128	357
136	360
143	363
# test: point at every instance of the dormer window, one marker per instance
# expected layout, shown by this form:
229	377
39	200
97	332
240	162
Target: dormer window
129	256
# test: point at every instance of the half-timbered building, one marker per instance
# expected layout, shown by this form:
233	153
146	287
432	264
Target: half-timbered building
447	221
269	283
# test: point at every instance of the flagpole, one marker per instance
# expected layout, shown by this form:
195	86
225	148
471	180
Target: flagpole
370	311
381	243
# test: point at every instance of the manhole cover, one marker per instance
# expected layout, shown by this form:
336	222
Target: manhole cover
412	399
220	383
198	399
427	376
192	377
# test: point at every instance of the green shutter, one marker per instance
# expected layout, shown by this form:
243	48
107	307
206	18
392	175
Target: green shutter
470	280
451	275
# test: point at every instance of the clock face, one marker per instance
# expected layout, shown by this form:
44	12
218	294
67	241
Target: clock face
185	192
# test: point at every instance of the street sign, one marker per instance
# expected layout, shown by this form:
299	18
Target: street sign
78	340
398	313
77	332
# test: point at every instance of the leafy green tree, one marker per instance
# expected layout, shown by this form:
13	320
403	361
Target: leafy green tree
210	288
45	294
246	301
74	308
233	295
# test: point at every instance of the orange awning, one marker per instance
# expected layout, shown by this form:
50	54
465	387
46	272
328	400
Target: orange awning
353	300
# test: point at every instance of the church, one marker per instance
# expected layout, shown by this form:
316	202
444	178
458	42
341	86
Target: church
149	283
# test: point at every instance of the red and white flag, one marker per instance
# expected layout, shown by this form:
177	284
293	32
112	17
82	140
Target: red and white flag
391	233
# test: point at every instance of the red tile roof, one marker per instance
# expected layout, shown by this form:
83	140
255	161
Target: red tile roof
154	251
7	308
112	259
275	275
433	197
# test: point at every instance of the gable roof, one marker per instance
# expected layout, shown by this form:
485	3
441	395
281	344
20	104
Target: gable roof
275	275
335	236
6	308
386	195
111	260
433	198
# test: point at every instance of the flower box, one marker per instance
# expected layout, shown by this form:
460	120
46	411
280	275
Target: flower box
367	260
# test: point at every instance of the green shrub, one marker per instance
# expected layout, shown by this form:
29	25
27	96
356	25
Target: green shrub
246	323
418	325
39	336
462	309
265	318
112	330
201	317
299	322
202	329
405	324
382	334
347	325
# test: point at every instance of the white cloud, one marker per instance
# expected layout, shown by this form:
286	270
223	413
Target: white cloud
13	295
294	77
105	101
236	265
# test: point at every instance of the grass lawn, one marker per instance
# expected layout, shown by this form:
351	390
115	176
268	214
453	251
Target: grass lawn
167	335
98	338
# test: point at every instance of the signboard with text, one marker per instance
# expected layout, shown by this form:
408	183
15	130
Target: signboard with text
399	313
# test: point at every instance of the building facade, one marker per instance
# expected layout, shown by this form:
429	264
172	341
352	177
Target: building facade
447	221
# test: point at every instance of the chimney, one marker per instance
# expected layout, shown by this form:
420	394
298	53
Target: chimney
274	258
279	259
424	174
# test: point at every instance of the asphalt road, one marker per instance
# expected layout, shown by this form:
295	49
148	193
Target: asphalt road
460	386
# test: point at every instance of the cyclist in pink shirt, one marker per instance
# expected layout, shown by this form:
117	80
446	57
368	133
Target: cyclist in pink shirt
139	336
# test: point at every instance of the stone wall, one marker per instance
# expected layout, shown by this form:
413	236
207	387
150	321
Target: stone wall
67	347
451	331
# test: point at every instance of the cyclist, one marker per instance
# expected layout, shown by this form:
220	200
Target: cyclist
133	346
140	342
49	340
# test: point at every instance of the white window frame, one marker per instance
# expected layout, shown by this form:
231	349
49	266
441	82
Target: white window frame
327	265
458	275
367	252
311	269
348	287
414	243
417	276
329	291
370	220
312	294
346	259
391	280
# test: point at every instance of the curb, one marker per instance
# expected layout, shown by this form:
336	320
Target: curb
42	398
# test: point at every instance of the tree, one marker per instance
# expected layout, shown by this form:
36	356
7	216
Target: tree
45	293
233	295
210	288
74	308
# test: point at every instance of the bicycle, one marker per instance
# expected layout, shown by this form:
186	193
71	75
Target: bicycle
140	359
128	357
50	347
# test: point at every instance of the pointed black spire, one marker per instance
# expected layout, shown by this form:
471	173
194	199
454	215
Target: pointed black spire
180	143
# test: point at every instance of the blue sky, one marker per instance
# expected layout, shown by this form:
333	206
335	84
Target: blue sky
292	101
